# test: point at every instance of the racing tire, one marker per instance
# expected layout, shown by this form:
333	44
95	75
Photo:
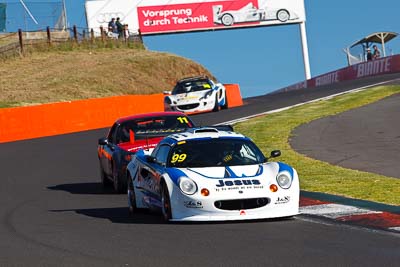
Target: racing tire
282	15
132	207
216	105
225	106
117	182
227	19
165	203
105	182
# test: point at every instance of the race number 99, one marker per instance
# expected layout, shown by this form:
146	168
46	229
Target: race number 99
178	158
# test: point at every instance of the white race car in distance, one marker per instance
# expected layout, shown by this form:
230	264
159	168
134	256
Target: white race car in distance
206	174
196	95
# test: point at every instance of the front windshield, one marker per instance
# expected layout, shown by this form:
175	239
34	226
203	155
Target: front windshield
214	153
192	86
152	127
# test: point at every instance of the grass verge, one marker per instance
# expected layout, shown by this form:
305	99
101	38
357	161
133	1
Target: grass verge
273	131
56	75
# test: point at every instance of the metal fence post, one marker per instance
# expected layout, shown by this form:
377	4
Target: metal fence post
140	36
91	35
75	34
48	35
21	42
124	33
102	33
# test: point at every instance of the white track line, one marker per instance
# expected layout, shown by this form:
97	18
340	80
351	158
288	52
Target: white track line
307	102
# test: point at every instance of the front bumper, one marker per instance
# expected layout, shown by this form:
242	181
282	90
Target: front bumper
200	208
191	107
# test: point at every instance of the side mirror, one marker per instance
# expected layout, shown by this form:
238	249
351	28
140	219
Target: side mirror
103	141
150	159
167	92
275	153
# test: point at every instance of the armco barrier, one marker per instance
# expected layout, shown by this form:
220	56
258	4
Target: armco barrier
380	66
67	117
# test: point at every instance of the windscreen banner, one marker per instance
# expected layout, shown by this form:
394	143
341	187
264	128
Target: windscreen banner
3	17
170	16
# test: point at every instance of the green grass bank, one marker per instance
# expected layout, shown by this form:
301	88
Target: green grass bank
273	131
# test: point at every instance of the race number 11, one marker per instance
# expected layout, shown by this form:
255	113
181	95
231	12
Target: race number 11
183	120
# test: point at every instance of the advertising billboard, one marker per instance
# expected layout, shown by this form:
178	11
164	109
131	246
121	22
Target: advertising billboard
171	16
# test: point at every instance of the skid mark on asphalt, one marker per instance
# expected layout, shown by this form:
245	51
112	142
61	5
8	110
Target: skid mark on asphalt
345	159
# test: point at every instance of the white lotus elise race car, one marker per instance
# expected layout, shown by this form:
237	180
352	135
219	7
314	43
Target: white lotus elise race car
206	174
196	95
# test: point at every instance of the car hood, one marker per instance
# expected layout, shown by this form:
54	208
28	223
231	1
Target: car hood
226	172
189	96
262	172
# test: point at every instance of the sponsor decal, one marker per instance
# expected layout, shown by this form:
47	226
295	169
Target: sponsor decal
374	67
102	151
173	17
222	183
211	14
142	147
282	200
106	17
193	204
157	131
242	212
239	184
329	78
188	97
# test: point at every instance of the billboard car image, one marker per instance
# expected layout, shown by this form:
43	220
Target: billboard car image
170	16
251	13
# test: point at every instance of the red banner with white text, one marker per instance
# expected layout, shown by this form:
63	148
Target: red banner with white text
380	66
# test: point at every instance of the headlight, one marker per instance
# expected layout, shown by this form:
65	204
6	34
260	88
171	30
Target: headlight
187	186
167	100
284	179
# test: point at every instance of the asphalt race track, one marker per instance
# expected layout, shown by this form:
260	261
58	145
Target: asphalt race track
366	139
55	213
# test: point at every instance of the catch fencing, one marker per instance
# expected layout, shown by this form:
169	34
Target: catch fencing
24	41
31	15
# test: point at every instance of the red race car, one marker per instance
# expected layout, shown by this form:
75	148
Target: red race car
128	135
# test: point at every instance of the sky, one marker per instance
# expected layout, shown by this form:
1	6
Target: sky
265	59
